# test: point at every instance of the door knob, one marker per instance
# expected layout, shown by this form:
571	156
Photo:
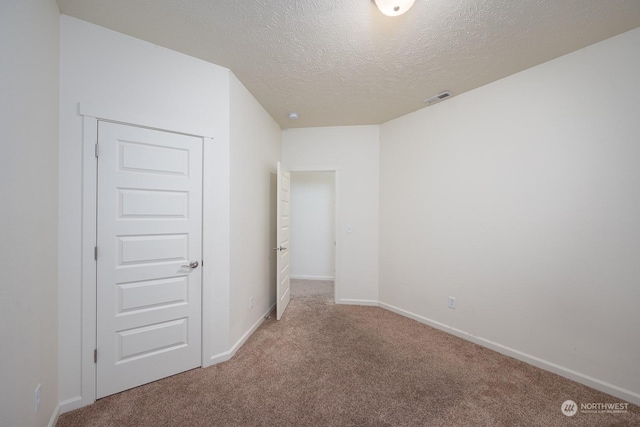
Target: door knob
193	264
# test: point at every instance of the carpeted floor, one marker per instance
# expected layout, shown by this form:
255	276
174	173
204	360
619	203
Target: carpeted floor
336	365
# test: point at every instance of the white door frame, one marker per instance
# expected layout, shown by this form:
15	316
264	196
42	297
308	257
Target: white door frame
337	225
90	117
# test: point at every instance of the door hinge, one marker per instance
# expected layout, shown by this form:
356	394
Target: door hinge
95	356
97	150
201	263
95	253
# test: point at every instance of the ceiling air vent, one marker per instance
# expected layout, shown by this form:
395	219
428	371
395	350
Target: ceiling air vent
439	97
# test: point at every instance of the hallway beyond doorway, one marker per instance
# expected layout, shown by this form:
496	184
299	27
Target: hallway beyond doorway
301	288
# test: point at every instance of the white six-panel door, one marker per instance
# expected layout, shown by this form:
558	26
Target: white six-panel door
149	232
283	288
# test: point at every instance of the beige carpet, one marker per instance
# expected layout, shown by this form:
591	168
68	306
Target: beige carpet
337	365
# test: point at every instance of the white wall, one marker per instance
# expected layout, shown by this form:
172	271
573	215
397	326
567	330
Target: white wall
157	86
313	227
521	200
354	150
28	210
255	150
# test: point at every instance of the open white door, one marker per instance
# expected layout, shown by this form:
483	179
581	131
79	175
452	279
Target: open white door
148	255
283	288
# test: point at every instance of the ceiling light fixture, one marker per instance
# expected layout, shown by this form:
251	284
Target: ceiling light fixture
394	7
293	116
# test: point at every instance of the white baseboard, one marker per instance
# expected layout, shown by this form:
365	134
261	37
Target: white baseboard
299	277
224	356
366	302
54	417
218	358
71	404
603	386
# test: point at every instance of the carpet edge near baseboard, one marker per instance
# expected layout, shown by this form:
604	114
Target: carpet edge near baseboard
226	355
576	376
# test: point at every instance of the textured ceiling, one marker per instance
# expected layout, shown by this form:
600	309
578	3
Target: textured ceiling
341	62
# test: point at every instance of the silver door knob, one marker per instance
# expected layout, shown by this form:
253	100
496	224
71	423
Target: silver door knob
193	264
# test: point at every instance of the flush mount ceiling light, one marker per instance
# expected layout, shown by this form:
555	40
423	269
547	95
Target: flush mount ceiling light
293	116
394	7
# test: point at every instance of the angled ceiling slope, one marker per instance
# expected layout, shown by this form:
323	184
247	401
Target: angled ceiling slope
344	63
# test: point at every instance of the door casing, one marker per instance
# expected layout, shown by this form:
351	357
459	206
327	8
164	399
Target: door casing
90	116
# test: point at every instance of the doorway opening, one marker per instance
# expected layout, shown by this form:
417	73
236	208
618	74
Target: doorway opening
314	233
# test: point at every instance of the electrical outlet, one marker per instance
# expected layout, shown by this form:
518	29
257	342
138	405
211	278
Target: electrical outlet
452	302
250	302
36	399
